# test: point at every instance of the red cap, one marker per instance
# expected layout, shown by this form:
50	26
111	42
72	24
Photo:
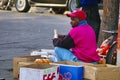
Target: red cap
78	14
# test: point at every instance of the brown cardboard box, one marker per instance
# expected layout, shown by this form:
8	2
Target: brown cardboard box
18	59
102	72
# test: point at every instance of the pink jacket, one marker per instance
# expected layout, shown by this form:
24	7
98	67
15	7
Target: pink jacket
85	43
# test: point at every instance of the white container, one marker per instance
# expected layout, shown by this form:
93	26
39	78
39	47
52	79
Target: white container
55	33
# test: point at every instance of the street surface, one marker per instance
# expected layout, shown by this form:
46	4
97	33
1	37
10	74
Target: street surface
20	33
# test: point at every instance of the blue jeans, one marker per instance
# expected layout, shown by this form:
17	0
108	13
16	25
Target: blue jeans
63	54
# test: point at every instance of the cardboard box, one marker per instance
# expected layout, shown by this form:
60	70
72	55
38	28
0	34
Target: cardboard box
102	72
70	70
18	59
42	71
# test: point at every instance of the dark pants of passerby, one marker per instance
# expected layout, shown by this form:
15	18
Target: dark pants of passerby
93	18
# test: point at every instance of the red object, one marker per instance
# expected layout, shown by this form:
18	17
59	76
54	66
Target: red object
78	14
105	49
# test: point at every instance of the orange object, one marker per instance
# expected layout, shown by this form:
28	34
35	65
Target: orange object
102	61
38	61
48	60
42	61
45	61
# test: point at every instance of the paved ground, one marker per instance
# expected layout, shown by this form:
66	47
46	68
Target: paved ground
20	33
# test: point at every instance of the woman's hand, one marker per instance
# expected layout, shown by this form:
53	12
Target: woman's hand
61	36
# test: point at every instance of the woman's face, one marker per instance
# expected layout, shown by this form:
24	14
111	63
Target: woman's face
74	21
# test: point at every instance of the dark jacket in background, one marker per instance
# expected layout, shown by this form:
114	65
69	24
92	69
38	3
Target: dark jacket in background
93	16
88	3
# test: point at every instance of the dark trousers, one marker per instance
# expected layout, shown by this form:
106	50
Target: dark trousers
93	18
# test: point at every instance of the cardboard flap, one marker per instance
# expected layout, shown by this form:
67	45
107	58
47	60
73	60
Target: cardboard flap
71	63
105	67
39	66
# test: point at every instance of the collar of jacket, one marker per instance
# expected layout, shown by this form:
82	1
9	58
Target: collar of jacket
82	23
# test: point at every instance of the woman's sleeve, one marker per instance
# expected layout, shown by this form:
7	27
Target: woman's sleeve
67	42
